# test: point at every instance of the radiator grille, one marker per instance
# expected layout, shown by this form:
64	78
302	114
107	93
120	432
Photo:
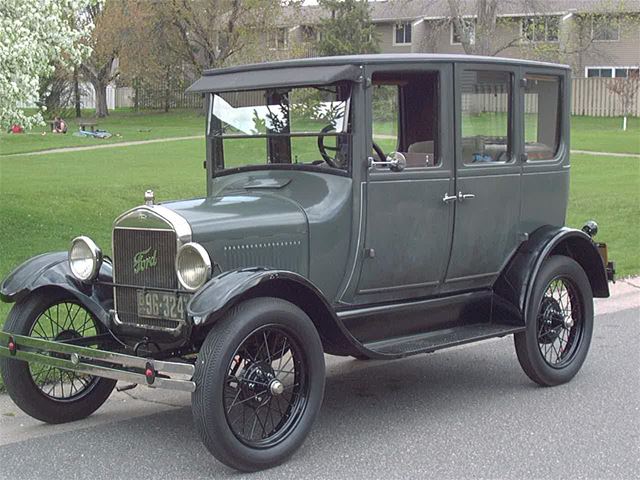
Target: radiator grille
144	258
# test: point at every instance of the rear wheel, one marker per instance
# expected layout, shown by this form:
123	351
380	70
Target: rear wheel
47	393
559	323
260	383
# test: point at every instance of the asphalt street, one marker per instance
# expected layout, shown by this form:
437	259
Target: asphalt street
467	412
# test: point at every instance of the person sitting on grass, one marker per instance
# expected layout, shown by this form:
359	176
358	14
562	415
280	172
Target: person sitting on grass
59	125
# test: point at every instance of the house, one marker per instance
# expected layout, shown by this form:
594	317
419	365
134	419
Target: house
599	38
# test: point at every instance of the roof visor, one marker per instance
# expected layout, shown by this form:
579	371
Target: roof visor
233	79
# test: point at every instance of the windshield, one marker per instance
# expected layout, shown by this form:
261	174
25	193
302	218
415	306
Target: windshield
288	126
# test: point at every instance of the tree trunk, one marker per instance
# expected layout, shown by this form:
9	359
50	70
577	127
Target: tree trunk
76	93
101	98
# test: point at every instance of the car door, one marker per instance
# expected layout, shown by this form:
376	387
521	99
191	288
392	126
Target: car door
488	175
408	227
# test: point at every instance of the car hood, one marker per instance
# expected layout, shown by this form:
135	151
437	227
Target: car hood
248	228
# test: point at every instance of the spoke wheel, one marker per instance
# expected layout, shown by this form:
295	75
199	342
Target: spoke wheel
266	387
559	322
61	322
47	393
259	383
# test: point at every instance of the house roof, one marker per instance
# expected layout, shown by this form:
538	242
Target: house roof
324	70
395	10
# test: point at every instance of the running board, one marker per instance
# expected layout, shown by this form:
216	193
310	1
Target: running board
432	341
99	363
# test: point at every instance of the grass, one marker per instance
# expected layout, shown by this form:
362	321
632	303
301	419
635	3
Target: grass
125	125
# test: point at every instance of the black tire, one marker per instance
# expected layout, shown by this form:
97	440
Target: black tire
18	376
225	353
559	321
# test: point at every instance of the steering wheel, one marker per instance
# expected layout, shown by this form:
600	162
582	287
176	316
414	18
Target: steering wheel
331	161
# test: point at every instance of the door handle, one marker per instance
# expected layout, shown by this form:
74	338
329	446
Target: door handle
465	196
449	198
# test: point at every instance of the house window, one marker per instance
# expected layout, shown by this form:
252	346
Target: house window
611	72
469	30
278	39
605	29
540	29
310	34
402	33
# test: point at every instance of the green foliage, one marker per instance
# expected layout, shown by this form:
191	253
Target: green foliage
348	30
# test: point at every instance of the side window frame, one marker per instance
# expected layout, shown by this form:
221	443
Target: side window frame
443	160
514	136
562	126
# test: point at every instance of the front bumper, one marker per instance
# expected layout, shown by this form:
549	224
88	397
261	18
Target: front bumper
99	363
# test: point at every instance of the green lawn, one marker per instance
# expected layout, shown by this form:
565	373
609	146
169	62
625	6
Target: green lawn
603	134
125	125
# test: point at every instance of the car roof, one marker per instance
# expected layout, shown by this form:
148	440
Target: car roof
323	70
382	58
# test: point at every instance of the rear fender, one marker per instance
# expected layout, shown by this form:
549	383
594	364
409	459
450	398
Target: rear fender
513	288
51	270
221	293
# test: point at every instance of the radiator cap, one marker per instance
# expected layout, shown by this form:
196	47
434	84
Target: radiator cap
149	197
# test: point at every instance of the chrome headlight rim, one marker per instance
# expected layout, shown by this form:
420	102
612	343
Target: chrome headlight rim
204	257
95	255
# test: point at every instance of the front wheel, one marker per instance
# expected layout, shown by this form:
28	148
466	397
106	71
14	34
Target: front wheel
260	382
50	394
559	323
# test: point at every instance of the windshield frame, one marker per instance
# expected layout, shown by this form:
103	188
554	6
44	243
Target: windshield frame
215	140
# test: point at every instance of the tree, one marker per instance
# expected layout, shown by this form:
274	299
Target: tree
148	57
626	89
35	35
348	29
214	33
101	68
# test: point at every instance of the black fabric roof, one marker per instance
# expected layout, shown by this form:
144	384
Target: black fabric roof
239	78
326	70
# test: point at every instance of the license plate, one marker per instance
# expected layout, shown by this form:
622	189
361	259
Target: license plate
165	305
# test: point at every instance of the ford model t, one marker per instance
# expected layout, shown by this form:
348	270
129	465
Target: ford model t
367	206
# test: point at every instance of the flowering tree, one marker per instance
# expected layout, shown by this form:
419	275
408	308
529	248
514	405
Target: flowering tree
34	35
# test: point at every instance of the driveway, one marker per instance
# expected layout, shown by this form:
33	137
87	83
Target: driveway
467	412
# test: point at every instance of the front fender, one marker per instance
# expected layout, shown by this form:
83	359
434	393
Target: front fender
229	288
52	270
513	287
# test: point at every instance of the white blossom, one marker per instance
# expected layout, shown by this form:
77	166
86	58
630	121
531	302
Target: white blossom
34	35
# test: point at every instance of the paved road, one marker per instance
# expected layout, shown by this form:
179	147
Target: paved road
468	412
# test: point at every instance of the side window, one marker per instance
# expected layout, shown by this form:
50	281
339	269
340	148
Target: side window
486	109
542	117
406	115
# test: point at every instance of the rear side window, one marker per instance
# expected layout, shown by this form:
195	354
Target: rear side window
542	117
486	109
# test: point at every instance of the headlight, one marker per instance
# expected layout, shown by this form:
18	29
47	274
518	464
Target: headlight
193	266
85	258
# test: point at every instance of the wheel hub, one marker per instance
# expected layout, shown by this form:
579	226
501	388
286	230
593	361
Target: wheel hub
552	319
257	383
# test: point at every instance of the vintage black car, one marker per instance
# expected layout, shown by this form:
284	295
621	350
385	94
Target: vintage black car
371	206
